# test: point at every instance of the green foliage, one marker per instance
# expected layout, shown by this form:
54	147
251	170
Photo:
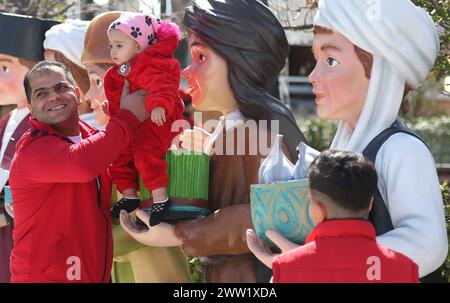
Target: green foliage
446	197
440	12
318	133
50	9
435	131
196	269
420	103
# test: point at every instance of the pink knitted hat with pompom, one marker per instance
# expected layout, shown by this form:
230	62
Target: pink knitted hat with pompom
146	30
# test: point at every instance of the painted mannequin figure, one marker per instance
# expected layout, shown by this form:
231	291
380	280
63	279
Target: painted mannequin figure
365	64
21	48
238	49
133	262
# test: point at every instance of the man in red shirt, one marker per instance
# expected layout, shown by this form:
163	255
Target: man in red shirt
342	247
60	188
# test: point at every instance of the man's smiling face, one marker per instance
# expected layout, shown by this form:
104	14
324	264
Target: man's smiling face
54	99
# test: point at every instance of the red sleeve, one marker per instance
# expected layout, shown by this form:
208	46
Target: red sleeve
415	273
276	270
160	77
51	160
113	84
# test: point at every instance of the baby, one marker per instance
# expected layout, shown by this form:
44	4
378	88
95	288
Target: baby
142	46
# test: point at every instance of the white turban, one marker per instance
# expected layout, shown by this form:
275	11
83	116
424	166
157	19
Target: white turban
404	43
67	38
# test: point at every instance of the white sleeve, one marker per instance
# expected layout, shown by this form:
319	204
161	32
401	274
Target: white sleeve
409	185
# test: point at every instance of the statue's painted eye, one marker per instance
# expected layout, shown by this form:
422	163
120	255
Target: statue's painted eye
5	69
99	83
331	62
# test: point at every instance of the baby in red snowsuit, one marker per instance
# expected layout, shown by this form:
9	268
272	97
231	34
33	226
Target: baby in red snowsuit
142	46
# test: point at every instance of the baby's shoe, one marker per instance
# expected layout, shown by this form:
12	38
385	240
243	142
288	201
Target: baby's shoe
159	211
126	204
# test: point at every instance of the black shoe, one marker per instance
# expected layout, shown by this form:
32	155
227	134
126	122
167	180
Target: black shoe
159	211
126	204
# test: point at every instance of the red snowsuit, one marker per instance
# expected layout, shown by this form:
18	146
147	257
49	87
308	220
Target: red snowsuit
156	71
62	196
343	251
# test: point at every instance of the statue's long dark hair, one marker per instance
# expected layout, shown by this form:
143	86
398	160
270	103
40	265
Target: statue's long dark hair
253	43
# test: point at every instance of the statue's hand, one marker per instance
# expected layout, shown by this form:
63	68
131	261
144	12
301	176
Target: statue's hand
262	251
280	241
161	235
194	139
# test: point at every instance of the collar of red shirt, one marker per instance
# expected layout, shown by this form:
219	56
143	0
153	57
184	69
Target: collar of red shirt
85	129
342	228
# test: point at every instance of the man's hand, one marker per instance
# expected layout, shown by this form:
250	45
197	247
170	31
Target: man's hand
158	116
134	102
262	251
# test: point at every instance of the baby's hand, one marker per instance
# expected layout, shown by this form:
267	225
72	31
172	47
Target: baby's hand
158	116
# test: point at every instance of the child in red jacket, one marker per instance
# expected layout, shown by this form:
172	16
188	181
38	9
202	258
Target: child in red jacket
342	247
142	46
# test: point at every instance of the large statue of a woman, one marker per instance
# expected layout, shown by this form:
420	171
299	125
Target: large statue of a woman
238	49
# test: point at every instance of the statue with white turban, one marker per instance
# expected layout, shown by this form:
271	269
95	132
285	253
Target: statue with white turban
369	54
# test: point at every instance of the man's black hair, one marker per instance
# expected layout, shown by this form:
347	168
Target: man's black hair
41	68
348	179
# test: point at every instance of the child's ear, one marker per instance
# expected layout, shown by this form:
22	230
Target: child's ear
316	211
370	205
322	212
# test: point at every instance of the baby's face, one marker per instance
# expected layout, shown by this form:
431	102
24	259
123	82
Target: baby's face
123	47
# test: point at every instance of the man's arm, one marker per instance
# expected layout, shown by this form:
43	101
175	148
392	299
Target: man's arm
50	159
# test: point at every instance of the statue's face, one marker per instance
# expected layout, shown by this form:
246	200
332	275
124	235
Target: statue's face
12	73
96	93
339	81
207	78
